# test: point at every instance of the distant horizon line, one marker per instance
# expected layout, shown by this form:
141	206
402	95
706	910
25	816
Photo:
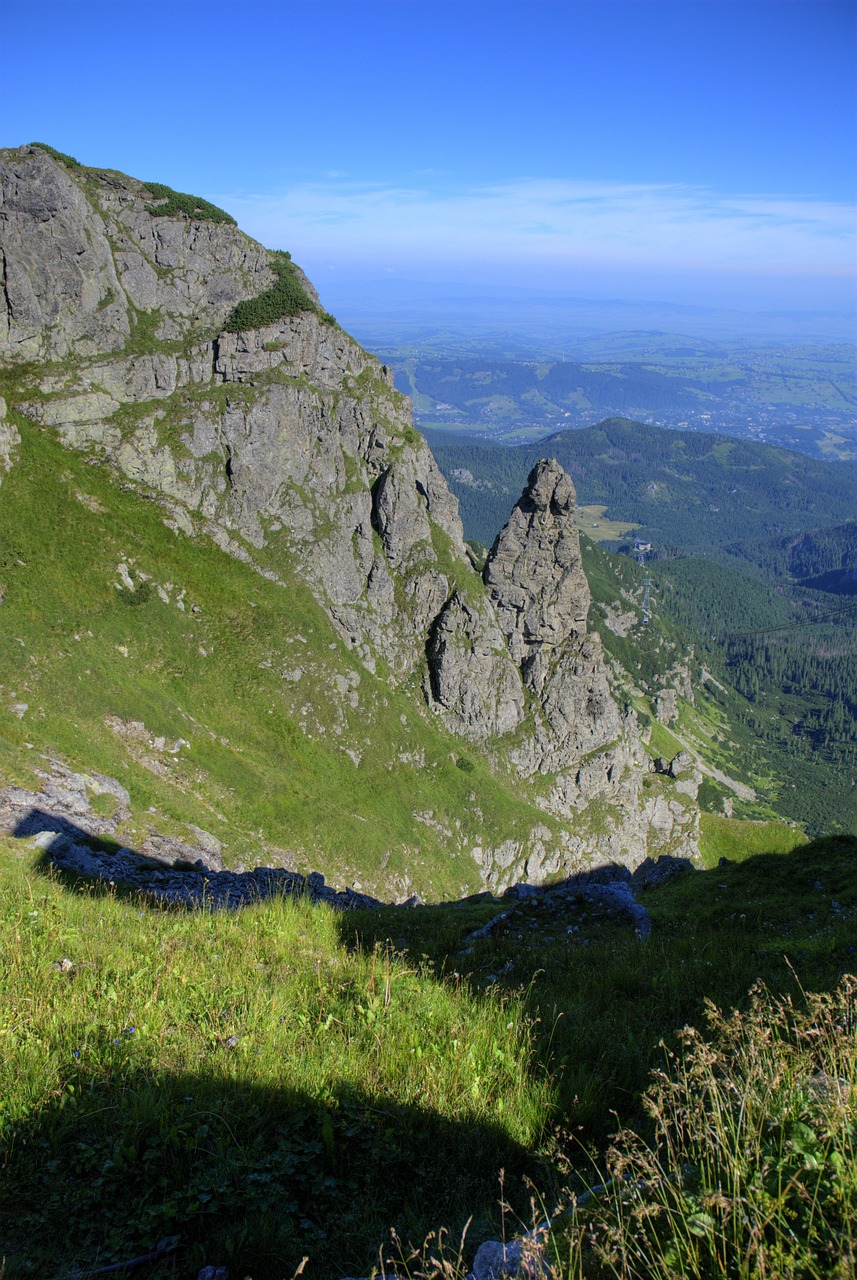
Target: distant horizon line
474	290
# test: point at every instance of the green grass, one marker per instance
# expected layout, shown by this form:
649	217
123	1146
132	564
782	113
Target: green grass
604	1006
280	1082
172	204
242	1081
245	673
739	839
663	743
593	522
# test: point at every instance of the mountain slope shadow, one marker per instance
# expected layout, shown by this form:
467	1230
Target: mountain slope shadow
79	857
234	1174
247	1167
607	1008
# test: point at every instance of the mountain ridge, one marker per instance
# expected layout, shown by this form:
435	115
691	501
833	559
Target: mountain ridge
288	447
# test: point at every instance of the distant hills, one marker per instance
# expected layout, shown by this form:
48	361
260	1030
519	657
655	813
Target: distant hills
696	492
752	563
803	397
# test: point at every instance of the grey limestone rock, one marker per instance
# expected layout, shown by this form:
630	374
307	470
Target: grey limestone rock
682	763
65	798
523	1257
9	439
534	577
176	852
472	677
534	572
666	706
302	432
81	257
57	267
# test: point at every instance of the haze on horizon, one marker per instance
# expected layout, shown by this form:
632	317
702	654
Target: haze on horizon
685	151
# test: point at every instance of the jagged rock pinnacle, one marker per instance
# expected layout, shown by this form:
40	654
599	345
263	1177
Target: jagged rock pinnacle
534	572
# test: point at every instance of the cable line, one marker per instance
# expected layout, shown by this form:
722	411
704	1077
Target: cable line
791	626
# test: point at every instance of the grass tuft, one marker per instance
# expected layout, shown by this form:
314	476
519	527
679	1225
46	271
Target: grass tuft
752	1171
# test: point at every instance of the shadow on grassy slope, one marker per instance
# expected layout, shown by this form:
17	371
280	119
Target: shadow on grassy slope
241	1081
599	1001
246	1176
249	1083
602	1002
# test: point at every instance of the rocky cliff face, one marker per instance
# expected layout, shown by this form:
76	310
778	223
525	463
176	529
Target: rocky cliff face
288	443
535	580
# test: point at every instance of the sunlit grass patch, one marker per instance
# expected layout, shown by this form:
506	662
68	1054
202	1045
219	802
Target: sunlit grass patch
167	1072
752	1171
738	839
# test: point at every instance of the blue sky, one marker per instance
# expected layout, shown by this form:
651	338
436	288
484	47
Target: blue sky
686	150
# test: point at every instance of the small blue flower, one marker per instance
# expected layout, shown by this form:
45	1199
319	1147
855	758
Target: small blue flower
76	1053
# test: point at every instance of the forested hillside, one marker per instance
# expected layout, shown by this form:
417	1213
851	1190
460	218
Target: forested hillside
821	558
753	555
690	490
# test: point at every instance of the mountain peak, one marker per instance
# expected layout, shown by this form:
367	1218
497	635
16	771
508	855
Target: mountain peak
142	328
534	572
549	488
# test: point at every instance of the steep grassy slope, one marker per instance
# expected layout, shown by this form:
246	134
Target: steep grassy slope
219	698
280	1082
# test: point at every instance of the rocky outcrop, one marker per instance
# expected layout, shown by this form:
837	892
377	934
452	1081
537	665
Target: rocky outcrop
574	732
9	438
534	572
472	677
81	255
288	433
535	580
523	647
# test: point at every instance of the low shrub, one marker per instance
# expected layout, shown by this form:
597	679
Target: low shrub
287	297
68	161
173	203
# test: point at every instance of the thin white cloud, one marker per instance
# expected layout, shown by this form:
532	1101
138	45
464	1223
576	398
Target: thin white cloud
553	221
